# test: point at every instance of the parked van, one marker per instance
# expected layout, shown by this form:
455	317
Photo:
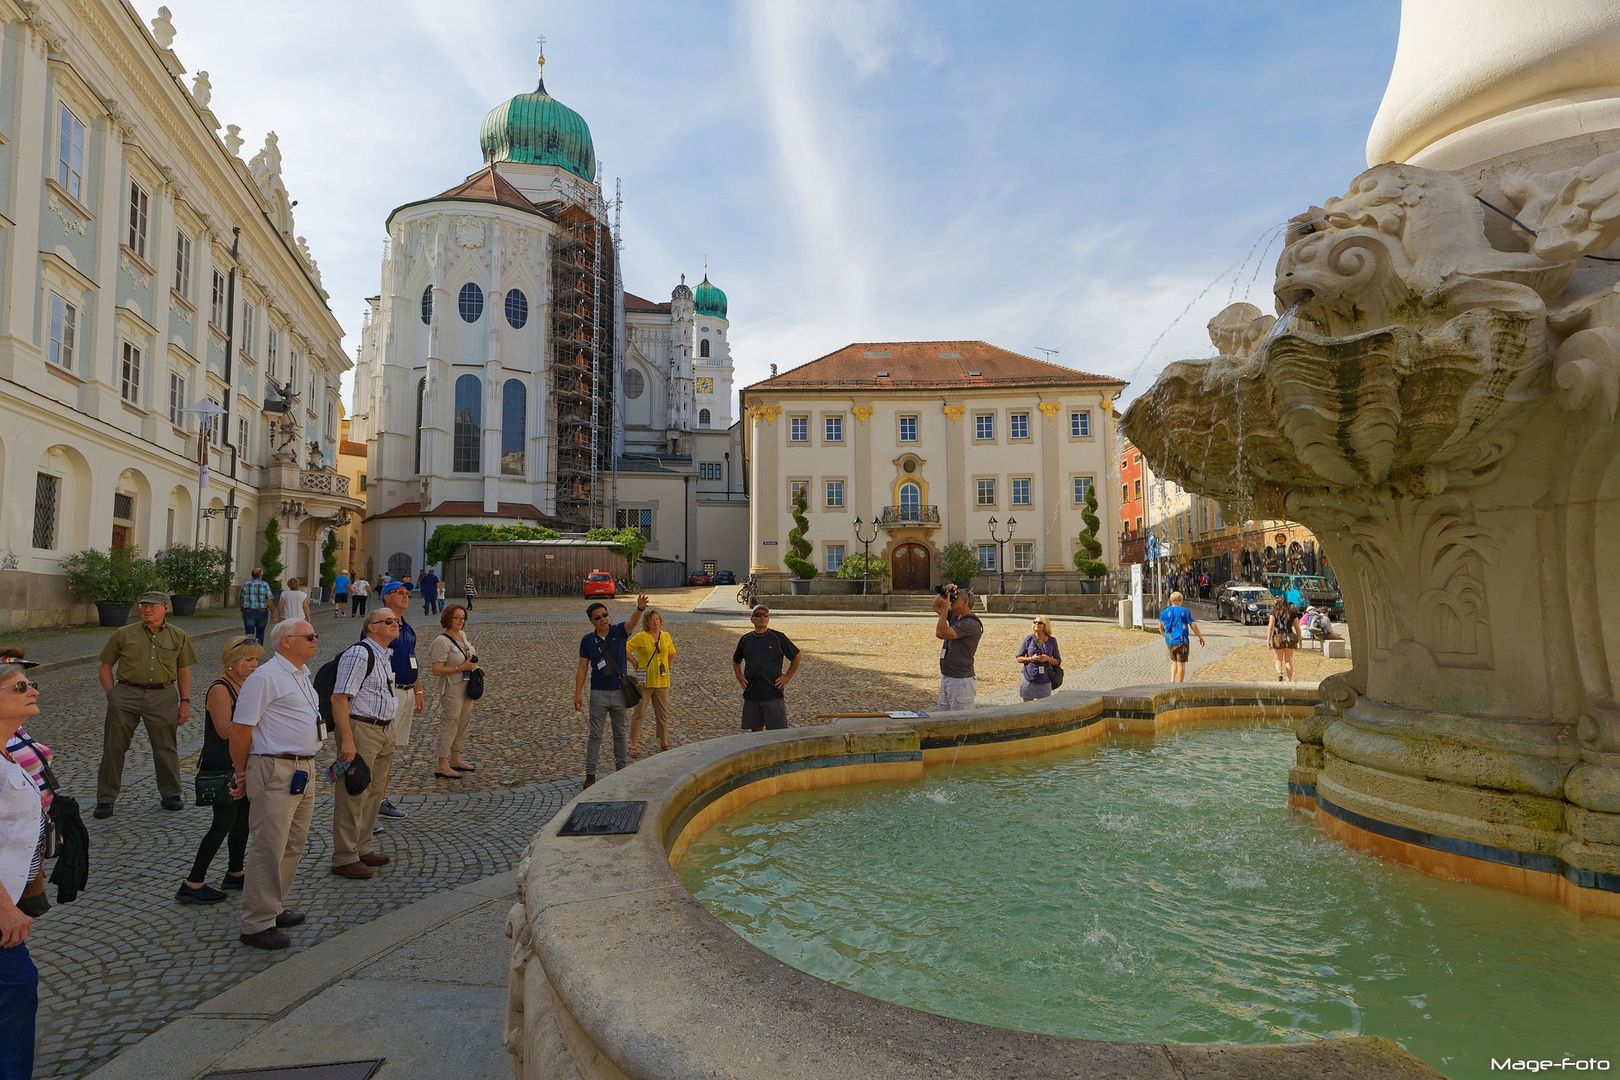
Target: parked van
1315	590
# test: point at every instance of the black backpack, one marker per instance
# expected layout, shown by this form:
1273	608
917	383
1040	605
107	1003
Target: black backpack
325	682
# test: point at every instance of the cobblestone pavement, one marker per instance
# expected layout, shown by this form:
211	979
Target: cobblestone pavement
126	958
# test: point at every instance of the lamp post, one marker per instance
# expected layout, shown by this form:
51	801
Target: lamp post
1001	549
866	543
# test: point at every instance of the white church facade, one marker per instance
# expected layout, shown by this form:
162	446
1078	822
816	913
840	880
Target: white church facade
506	376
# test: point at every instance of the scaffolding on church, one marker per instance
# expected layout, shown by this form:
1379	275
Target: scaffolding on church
582	269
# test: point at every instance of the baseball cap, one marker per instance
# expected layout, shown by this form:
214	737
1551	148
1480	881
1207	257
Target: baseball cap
392	585
153	597
757	608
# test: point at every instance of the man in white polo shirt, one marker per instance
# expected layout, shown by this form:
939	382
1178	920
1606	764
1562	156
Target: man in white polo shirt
275	734
362	711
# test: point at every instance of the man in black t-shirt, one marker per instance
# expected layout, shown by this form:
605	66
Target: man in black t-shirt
757	663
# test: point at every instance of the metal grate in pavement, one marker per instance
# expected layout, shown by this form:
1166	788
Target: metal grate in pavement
337	1070
603	819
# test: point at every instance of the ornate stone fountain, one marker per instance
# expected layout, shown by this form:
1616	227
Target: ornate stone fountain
1438	402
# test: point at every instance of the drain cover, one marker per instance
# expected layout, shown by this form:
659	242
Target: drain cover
337	1070
603	819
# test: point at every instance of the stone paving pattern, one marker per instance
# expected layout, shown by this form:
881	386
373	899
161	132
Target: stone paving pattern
126	958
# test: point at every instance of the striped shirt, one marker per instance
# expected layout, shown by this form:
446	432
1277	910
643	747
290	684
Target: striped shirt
255	595
371	698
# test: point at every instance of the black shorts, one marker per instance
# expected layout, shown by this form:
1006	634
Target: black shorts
1178	653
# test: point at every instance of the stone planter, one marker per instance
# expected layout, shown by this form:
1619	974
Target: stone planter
800	586
183	605
112	613
1090	586
834	587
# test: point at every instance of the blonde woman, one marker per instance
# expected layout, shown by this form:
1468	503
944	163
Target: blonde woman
1038	655
454	659
237	660
654	652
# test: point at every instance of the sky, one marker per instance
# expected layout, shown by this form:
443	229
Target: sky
1095	178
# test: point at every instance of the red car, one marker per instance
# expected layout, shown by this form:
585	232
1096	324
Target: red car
599	583
699	577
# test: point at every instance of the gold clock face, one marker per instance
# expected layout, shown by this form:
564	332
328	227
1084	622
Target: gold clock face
705	386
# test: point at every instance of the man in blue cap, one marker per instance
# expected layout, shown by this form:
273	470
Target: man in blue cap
396	596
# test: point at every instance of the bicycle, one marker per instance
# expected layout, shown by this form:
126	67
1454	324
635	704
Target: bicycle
745	594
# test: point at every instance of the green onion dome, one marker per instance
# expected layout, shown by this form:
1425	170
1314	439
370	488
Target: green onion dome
710	300
537	129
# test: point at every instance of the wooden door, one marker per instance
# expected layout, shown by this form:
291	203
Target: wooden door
909	567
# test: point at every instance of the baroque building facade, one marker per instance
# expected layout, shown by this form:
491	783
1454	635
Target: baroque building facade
151	277
935	442
506	376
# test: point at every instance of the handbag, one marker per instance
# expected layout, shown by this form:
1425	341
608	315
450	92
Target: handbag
475	677
214	788
632	690
1055	673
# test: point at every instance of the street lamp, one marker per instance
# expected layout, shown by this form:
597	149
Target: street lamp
866	542
1001	549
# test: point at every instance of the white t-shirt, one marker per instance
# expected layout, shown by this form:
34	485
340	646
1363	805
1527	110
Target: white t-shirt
360	587
292	604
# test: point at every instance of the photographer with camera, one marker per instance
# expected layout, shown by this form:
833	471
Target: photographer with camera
960	630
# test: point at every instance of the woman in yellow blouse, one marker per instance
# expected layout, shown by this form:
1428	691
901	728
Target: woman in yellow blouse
653	651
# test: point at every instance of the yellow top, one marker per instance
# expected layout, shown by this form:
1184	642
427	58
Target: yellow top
655	658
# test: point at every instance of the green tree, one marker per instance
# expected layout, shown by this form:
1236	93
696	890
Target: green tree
958	562
119	576
195	571
270	561
798	558
1085	560
850	568
626	541
329	550
446	539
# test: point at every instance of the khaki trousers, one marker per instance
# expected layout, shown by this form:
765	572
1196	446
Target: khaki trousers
353	816
455	714
128	706
404	709
659	696
278	825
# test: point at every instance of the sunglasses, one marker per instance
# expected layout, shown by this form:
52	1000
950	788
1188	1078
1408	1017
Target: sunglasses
305	637
760	615
604	615
22	686
385	622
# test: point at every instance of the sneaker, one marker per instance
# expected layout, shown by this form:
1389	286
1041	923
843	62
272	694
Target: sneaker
202	894
377	828
388	809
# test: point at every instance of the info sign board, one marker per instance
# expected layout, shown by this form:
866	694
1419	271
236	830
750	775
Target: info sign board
1136	593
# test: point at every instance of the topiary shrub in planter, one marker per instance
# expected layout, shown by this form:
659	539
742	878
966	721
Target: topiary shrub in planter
870	569
798	557
270	561
1085	560
958	563
113	579
191	572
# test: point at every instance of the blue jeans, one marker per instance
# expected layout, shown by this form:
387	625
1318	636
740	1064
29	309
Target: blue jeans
254	621
19	1002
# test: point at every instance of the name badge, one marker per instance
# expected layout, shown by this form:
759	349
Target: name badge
601	663
413	663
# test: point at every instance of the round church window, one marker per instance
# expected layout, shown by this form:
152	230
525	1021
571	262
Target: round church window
471	302
635	384
517	308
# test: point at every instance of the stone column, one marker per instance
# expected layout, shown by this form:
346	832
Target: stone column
767	518
1054	498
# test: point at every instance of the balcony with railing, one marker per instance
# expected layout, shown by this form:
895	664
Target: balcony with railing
909	516
282	477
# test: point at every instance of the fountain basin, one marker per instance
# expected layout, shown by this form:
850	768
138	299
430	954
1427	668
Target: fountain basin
619	972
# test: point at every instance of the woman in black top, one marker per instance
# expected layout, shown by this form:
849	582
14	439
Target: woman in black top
239	658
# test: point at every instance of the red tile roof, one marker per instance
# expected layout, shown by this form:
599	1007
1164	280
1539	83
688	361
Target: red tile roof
463	509
632	302
928	365
487	185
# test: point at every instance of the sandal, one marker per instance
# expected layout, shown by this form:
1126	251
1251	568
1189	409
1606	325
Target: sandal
465	768
634	753
446	775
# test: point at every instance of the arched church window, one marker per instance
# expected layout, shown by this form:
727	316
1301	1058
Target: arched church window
464	456
703	418
421	398
635	383
427	304
910	502
703	347
517	309
471	302
514	426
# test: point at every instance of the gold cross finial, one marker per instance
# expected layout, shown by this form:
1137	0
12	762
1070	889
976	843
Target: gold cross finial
541	40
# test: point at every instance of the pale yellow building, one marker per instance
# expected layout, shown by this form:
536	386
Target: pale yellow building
933	441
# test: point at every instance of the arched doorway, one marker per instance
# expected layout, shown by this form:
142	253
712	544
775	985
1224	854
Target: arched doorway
908	567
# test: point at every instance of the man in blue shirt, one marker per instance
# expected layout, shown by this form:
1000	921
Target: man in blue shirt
340	594
1175	621
396	597
602	657
431	604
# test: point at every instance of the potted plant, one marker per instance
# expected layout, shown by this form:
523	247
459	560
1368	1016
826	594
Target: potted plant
958	563
798	557
329	550
270	561
191	572
113	579
1085	560
870	569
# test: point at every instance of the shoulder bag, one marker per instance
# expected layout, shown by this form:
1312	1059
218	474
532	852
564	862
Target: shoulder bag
214	786
632	691
475	677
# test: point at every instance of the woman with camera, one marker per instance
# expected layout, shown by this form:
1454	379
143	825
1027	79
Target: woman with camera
454	661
